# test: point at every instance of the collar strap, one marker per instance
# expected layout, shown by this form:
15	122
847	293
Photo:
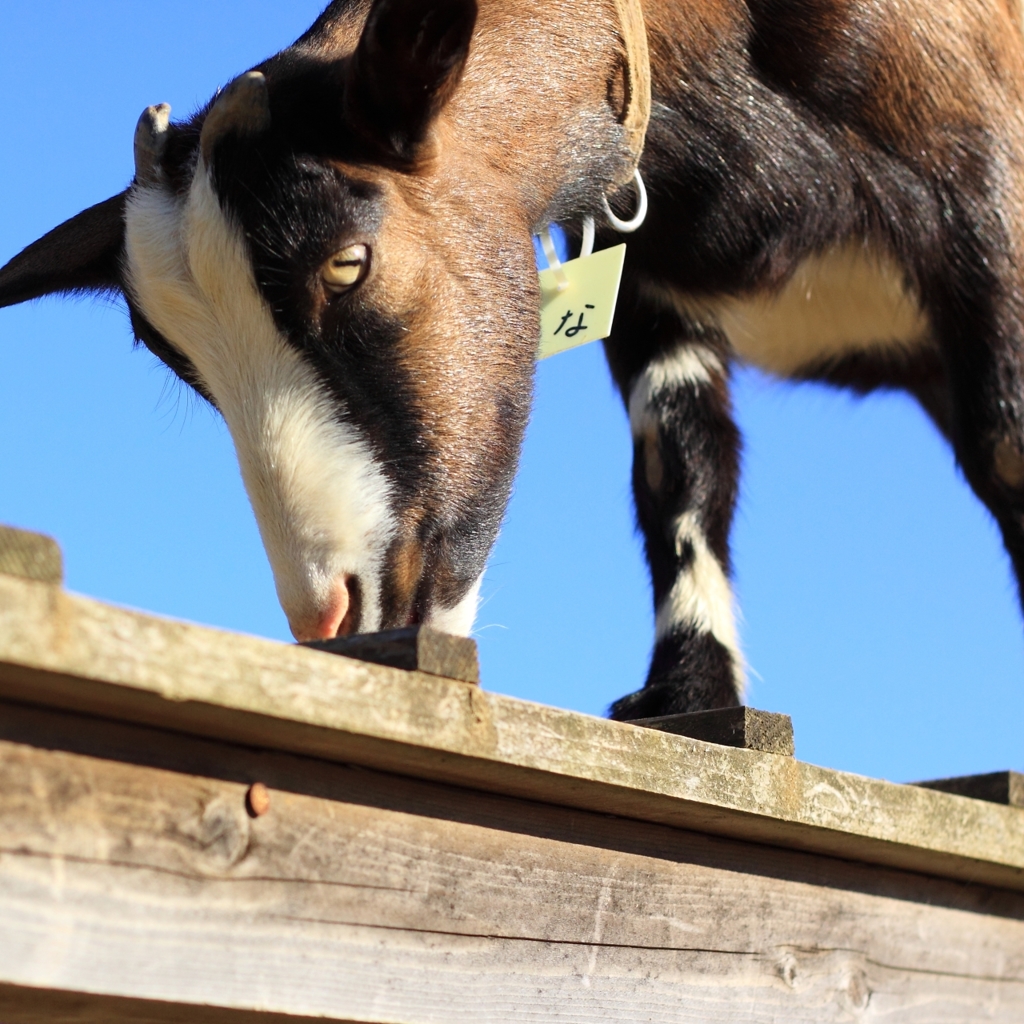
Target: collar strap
638	78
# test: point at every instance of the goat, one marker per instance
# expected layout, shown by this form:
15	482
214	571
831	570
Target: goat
336	253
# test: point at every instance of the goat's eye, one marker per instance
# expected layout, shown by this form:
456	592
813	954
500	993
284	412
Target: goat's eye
346	268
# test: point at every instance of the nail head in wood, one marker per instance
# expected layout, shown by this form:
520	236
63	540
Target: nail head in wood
257	800
32	556
731	727
995	787
414	648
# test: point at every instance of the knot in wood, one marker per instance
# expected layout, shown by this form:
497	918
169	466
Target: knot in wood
222	834
786	969
856	993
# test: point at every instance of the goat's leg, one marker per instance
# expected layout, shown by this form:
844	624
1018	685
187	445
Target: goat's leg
673	377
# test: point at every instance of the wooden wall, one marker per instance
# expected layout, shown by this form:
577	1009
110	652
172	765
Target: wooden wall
434	853
134	886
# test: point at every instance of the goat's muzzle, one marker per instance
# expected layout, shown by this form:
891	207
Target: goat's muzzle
338	617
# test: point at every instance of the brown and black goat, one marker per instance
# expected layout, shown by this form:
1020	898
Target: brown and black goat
337	254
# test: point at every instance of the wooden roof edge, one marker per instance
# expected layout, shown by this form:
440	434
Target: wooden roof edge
64	651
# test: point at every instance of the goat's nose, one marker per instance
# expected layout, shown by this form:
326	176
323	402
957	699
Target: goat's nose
332	619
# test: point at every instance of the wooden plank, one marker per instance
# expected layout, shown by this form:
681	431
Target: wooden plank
33	556
415	649
996	787
733	727
370	897
65	651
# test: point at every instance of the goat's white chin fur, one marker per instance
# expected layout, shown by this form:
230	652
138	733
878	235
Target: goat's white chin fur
460	617
321	500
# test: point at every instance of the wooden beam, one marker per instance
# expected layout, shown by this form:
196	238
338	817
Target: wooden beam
64	651
135	887
732	727
33	556
415	649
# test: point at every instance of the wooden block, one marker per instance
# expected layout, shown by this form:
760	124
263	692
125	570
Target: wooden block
33	556
731	727
415	648
995	787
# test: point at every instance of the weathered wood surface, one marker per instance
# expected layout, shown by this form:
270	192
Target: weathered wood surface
734	727
65	651
33	556
996	787
415	649
135	887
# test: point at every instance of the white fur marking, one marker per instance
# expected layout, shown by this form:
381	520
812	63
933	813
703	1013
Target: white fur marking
849	299
688	364
701	596
457	620
320	499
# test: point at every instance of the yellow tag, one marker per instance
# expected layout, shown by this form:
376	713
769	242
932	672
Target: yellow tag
582	309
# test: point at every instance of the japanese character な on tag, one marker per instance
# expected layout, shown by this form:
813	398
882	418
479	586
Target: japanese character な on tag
577	300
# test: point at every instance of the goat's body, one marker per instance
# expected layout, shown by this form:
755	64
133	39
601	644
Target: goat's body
836	194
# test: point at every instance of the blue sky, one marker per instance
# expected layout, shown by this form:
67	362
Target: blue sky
878	607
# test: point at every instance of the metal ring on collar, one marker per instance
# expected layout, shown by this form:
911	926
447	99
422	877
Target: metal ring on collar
626	226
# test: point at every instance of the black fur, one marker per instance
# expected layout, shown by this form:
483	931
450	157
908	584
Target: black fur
693	451
690	670
82	254
405	67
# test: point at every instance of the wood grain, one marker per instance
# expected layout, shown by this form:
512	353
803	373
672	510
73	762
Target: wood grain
33	556
364	896
60	650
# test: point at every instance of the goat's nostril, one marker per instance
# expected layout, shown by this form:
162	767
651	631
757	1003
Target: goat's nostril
350	621
338	617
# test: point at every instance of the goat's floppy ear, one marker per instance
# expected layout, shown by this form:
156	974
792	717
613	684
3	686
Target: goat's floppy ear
405	67
83	254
